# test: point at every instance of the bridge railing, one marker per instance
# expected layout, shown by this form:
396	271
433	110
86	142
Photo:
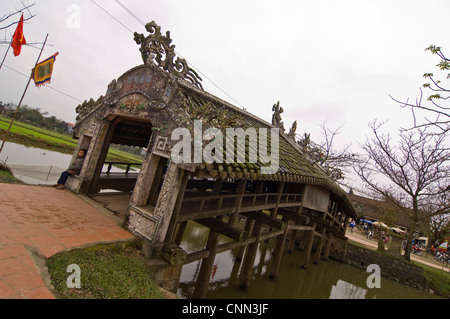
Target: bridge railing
127	166
248	200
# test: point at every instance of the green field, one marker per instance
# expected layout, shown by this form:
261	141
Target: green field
30	135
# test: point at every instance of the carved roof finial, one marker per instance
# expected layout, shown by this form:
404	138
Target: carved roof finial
292	130
276	117
157	49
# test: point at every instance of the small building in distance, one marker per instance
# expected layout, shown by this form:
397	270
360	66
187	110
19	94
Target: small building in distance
383	211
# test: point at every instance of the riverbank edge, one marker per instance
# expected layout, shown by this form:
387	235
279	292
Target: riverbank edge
392	268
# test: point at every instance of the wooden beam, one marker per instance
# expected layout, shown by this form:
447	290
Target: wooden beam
200	254
288	213
300	227
266	219
323	221
223	228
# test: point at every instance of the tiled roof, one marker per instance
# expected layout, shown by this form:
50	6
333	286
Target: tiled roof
294	165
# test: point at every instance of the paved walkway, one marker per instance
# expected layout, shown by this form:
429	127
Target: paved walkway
39	220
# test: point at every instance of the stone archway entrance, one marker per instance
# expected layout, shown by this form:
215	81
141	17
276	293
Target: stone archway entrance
113	181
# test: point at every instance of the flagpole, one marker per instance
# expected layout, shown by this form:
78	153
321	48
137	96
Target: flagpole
6	53
23	95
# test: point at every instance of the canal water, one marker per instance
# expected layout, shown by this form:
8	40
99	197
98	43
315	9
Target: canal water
327	280
37	166
34	165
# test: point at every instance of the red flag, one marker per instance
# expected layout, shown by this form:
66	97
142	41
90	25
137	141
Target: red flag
18	38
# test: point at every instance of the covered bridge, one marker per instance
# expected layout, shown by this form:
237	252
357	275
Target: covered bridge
191	173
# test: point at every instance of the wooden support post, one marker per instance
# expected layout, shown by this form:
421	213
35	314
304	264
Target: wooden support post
303	240
249	259
326	253
204	275
309	243
276	259
293	235
180	232
292	238
319	247
237	204
248	228
201	288
274	211
217	186
345	223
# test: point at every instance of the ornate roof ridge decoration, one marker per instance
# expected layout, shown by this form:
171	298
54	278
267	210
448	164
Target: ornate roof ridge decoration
157	49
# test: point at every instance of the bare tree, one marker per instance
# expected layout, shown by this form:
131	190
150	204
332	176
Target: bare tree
5	23
416	171
436	105
439	227
335	162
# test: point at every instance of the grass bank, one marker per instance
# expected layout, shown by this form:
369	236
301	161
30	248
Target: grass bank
437	280
116	271
6	176
29	135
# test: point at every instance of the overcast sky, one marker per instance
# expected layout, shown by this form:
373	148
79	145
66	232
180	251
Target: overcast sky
325	61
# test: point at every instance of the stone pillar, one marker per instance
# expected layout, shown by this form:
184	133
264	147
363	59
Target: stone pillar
153	225
81	184
396	245
177	208
166	200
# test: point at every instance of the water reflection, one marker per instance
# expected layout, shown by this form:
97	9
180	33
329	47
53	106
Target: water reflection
327	280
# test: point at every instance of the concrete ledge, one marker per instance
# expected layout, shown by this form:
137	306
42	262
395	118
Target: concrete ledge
77	184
